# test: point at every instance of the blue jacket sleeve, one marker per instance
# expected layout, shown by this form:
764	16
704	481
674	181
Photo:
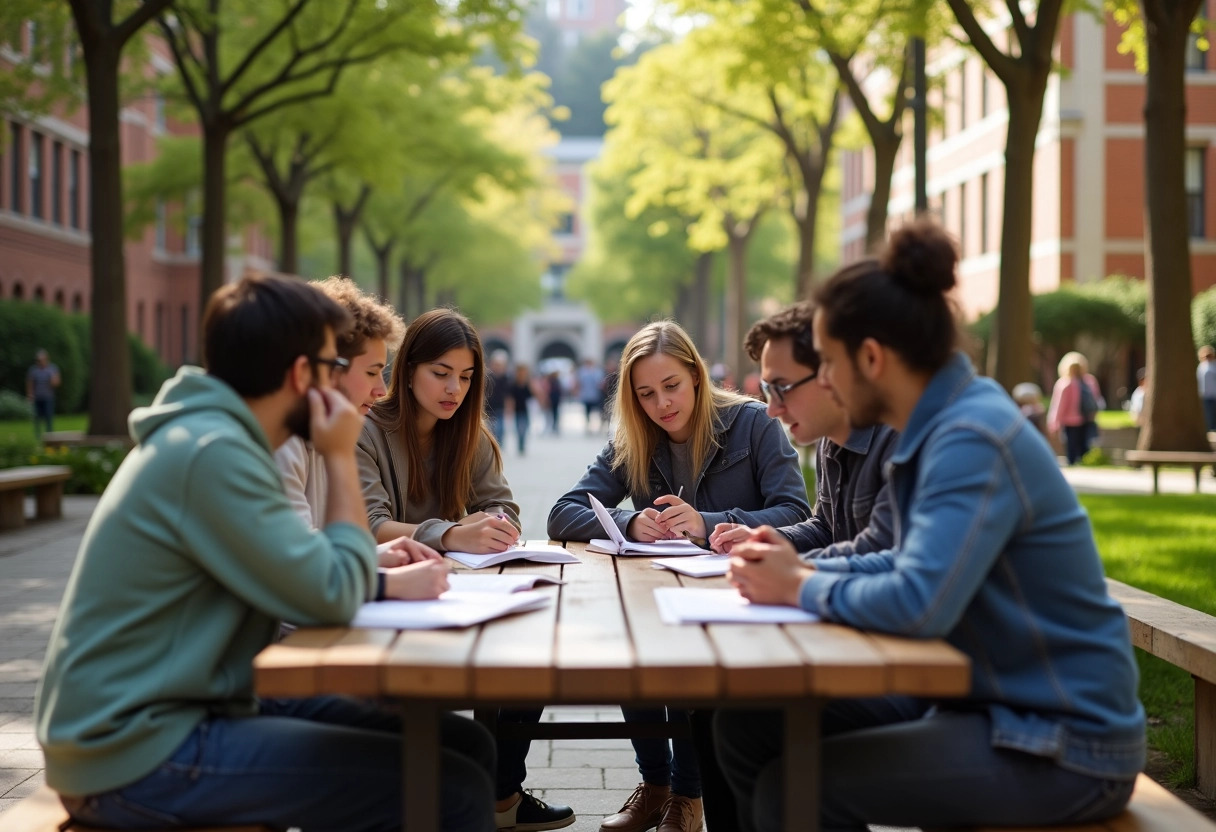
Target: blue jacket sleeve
571	518
965	511
780	479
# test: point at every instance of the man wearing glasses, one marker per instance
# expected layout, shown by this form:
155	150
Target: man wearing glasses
146	712
853	511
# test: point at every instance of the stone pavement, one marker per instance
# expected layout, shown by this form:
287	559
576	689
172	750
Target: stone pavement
593	776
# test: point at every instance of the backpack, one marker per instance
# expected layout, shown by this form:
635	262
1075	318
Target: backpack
1089	405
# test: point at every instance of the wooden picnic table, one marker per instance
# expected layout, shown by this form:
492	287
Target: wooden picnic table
601	642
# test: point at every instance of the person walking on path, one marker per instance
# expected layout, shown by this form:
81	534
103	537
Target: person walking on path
1075	402
1206	374
498	387
590	380
40	384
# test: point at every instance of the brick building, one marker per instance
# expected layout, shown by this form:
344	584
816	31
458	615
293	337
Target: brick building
1089	165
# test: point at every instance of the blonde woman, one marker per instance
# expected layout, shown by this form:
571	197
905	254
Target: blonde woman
689	456
1075	400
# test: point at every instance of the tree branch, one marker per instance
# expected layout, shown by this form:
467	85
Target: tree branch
135	21
293	11
180	60
1000	63
1019	24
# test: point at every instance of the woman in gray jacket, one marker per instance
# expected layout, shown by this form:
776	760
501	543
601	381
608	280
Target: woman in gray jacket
688	455
430	468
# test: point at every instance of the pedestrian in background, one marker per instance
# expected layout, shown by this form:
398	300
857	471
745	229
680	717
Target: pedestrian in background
498	386
40	384
1075	402
1206	374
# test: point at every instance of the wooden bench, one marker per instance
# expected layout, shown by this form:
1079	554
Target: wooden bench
1152	809
1185	638
47	482
1155	459
42	812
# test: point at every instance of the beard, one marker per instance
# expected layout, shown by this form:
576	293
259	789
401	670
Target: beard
866	408
299	419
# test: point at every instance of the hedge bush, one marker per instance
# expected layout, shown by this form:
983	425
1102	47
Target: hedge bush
148	373
28	327
1203	318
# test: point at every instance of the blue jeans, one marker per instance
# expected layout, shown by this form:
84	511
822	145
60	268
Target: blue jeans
938	770
328	763
496	427
664	762
513	754
522	423
44	414
1209	413
1076	442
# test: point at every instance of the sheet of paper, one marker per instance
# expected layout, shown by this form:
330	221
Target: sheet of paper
606	521
495	582
700	566
534	550
452	609
671	548
687	605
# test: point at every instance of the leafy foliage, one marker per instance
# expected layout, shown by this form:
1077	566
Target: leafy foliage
1203	317
28	327
1062	315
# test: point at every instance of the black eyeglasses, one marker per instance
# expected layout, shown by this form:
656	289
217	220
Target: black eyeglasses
338	363
782	389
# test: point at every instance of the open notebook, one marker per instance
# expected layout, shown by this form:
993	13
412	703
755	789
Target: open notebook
533	550
455	608
618	545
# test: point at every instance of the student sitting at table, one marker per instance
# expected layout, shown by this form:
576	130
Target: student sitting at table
688	455
365	346
853	510
430	469
146	712
993	553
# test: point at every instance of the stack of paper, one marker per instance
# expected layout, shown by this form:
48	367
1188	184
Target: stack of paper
495	582
452	609
534	550
684	605
618	545
701	566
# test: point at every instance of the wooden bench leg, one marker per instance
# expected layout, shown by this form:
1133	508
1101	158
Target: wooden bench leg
1205	737
1155	466
49	500
1198	469
12	509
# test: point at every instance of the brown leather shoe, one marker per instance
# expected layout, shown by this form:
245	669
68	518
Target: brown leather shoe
681	814
643	810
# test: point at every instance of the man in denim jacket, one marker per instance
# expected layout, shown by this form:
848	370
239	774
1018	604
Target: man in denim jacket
992	552
853	512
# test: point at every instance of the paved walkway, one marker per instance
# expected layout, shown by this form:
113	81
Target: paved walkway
593	776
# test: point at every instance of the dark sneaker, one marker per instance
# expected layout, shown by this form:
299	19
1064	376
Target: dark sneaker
531	814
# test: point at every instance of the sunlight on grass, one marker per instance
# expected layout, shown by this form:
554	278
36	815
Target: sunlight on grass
24	428
1163	545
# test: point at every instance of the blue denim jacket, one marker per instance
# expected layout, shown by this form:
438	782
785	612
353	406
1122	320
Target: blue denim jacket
996	555
753	478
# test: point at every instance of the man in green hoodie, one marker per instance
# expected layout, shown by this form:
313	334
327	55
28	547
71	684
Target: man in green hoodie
146	712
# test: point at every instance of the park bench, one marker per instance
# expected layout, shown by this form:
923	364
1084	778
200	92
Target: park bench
42	812
47	482
1155	459
1185	638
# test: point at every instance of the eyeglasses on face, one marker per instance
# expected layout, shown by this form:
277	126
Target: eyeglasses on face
336	363
780	390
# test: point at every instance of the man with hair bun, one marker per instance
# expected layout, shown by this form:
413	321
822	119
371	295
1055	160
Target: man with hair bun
992	552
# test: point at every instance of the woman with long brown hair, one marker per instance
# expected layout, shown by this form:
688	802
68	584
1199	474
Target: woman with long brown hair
430	468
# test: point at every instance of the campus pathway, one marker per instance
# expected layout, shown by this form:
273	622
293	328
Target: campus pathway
593	776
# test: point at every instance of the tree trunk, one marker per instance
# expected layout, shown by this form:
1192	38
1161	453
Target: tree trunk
1172	421
737	318
886	148
347	220
384	255
215	164
110	361
702	271
289	246
1011	343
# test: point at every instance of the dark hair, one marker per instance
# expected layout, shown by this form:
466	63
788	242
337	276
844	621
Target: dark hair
899	299
793	322
254	329
455	441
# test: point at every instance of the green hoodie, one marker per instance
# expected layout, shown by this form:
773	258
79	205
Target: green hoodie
190	560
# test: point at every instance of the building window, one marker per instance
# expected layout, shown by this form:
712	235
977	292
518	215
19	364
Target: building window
31	38
15	173
984	103
139	321
962	96
39	295
61	300
35	162
57	183
579	9
1195	191
962	219
18	292
160	329
185	334
194	234
1196	59
983	213
77	303
162	226
565	224
159	103
74	189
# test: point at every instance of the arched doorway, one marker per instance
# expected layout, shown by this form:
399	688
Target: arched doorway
39	295
493	345
18	292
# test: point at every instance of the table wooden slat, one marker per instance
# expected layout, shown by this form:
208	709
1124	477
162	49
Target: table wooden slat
352	665
840	661
290	668
673	661
594	657
514	657
917	667
424	663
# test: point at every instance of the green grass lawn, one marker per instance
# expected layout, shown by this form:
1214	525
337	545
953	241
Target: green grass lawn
1162	545
24	428
1114	419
